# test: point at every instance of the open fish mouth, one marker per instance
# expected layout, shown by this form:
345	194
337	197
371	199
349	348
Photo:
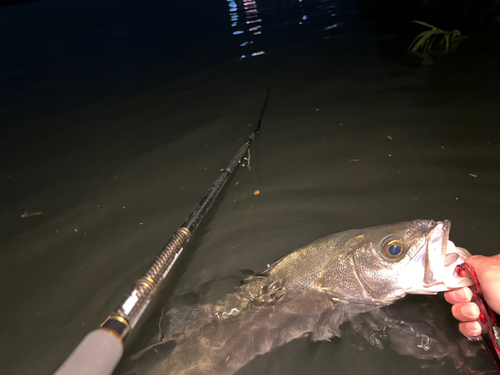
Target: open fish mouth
438	258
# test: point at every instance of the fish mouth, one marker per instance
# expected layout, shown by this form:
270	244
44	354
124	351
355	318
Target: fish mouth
438	258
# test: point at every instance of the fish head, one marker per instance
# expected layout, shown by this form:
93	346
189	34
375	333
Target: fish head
414	257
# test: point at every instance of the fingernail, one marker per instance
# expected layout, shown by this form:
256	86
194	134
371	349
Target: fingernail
459	294
474	327
462	294
471	311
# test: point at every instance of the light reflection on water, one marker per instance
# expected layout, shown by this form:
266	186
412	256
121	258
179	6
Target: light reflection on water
246	20
260	26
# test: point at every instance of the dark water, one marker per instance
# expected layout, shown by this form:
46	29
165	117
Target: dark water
116	117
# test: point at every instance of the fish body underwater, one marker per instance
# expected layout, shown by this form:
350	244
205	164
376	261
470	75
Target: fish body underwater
312	291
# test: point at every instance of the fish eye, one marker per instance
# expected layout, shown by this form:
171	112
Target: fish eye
392	247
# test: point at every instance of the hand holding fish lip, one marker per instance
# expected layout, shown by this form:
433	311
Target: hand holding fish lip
467	312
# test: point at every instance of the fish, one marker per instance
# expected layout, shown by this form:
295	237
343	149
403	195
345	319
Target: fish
312	291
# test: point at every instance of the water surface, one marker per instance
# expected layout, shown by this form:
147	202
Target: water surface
118	116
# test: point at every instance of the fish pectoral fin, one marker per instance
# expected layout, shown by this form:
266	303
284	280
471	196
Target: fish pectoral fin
331	319
328	324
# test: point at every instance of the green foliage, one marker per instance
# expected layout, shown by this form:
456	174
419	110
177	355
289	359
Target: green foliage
434	41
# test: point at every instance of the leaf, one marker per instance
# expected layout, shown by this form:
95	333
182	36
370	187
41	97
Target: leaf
424	24
420	40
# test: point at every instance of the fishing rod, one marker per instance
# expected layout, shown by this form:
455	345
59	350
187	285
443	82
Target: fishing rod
100	351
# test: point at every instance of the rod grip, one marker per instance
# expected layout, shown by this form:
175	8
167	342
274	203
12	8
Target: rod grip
97	354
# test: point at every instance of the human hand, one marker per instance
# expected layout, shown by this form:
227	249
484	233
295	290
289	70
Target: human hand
467	312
